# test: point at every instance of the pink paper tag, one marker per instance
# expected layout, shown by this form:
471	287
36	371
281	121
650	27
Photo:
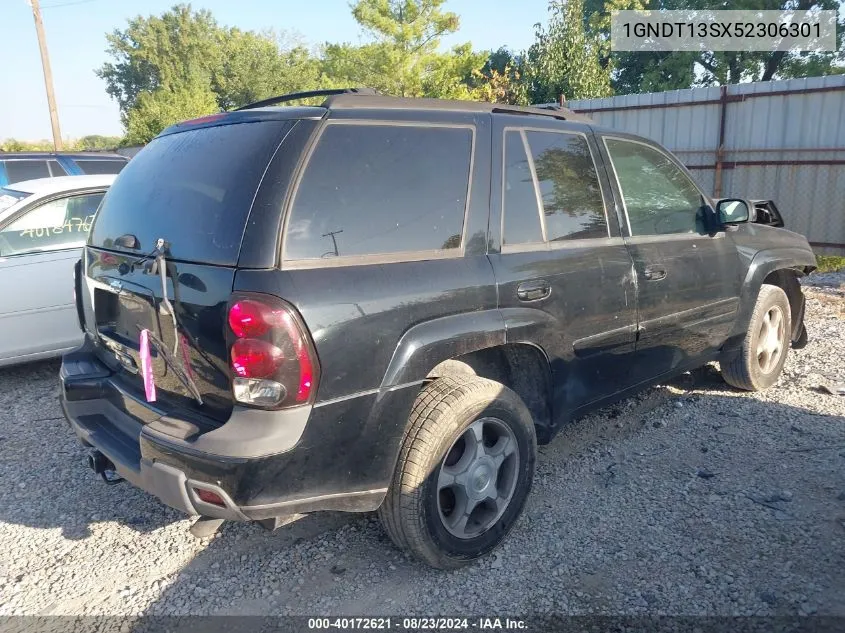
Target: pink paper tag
147	367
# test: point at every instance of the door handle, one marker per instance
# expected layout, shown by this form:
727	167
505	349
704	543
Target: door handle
533	290
654	273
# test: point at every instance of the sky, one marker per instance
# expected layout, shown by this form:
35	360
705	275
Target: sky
76	29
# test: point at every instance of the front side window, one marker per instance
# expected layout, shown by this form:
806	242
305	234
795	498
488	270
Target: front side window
378	189
660	199
54	225
19	170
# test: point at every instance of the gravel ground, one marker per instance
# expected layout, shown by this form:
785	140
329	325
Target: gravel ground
689	499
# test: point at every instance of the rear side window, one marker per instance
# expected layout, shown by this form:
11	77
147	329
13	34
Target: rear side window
522	215
100	166
569	186
19	170
376	189
194	189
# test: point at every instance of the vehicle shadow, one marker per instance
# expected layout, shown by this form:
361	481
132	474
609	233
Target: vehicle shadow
336	564
44	480
667	447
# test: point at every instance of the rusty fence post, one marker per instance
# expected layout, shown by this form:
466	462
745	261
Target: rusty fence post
720	149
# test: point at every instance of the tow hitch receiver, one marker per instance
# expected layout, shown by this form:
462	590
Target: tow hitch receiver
103	466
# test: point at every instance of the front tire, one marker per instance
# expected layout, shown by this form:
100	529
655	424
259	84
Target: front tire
760	360
464	473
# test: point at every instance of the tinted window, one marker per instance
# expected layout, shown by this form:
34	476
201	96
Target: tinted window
194	189
569	186
61	223
659	197
522	218
375	189
100	166
56	169
18	170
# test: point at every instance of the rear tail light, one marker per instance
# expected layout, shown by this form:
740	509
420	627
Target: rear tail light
273	361
255	358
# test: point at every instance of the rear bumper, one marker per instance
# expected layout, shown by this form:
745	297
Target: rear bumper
333	456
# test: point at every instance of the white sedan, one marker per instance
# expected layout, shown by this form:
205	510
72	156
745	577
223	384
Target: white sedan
43	225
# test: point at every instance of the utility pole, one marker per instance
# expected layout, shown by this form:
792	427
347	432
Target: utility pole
334	241
48	75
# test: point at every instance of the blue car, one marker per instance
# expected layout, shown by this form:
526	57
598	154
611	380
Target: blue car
18	166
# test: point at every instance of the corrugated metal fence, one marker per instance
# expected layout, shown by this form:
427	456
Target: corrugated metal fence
779	140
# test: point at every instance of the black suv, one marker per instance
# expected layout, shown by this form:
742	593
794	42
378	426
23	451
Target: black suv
384	304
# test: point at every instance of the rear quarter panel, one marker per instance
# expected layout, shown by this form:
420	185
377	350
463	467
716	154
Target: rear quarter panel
363	315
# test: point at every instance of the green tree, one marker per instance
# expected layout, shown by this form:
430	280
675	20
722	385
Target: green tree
658	71
404	59
96	142
180	47
183	64
154	111
350	66
652	72
450	75
259	65
500	80
14	145
565	59
183	47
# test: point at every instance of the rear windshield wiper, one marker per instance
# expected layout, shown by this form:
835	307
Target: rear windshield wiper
158	265
172	362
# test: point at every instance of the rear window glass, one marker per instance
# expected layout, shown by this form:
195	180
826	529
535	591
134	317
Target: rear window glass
193	189
19	170
372	189
91	167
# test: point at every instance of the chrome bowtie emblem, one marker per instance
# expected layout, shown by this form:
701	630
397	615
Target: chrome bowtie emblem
116	285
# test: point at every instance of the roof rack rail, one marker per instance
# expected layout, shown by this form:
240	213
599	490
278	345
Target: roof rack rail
558	112
293	96
550	106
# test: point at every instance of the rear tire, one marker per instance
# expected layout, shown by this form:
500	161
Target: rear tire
464	473
759	362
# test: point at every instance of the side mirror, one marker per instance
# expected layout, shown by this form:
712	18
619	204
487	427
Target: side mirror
733	210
